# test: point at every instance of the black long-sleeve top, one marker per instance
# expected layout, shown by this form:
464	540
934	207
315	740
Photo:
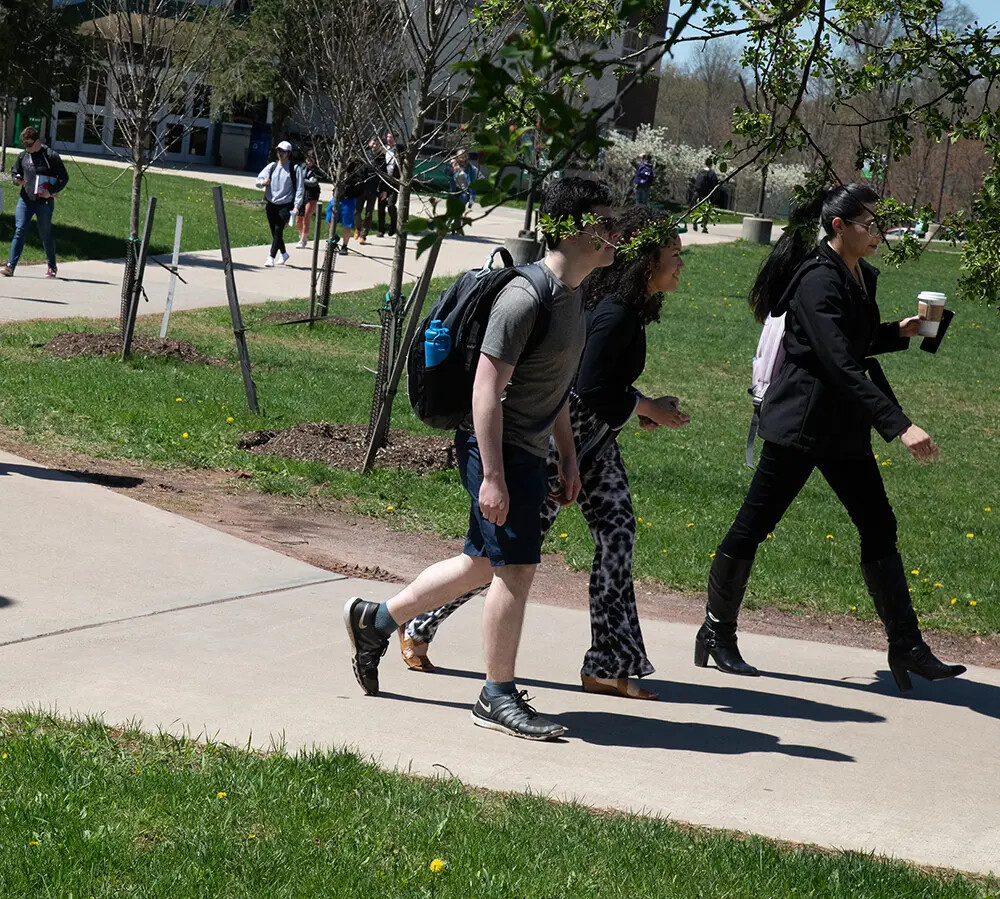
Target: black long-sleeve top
613	358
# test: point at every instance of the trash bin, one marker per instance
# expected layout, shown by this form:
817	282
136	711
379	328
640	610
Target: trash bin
260	148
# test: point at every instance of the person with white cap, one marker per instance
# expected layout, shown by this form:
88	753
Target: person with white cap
283	192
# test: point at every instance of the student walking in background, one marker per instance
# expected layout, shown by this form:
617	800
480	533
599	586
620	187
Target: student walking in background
643	179
819	413
621	300
283	193
387	165
310	176
41	174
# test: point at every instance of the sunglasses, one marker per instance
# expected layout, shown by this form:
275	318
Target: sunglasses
873	228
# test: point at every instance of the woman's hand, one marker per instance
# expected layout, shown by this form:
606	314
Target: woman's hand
664	410
919	443
910	327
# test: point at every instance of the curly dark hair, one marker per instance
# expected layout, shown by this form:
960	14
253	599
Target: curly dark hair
626	280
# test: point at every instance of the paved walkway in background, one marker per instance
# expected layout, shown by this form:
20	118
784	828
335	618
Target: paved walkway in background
92	289
112	607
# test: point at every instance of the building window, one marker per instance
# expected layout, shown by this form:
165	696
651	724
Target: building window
174	139
66	127
634	41
202	108
199	142
69	93
93	130
97	87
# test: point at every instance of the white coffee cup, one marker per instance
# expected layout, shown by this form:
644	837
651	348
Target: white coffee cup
930	309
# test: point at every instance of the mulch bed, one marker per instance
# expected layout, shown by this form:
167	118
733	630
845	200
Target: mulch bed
343	446
71	344
281	318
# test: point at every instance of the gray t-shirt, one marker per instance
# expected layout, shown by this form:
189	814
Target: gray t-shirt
542	377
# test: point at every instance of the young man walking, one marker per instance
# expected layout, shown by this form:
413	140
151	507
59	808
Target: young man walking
41	174
519	399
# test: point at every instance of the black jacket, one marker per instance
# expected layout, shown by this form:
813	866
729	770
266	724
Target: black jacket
613	358
823	401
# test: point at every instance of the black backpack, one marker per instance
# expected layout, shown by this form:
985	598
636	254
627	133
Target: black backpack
441	396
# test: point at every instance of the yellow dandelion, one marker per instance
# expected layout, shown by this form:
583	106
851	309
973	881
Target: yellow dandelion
854	608
690	524
437	866
987	509
970	536
6	756
954	600
829	536
564	535
710	555
230	420
251	836
770	536
649	524
915	571
939	585
639	520
973	602
663	550
185	435
179	400
34	843
137	770
221	794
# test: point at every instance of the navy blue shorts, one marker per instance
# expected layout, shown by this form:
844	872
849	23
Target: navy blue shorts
518	541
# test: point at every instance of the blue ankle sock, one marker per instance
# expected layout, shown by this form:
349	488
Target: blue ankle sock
385	624
500	688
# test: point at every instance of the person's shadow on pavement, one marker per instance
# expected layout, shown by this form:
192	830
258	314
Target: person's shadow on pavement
614	729
959	691
42	473
734	699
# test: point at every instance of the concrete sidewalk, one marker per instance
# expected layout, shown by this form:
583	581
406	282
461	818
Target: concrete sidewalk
116	608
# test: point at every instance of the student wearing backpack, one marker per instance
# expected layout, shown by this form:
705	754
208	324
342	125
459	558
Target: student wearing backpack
818	413
643	180
519	399
283	192
40	174
621	300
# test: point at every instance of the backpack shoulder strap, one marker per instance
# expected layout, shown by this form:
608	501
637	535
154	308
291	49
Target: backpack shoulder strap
539	283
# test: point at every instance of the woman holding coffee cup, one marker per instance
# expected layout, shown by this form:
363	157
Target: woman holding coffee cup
621	300
819	413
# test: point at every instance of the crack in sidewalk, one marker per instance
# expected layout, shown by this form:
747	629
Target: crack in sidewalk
184	608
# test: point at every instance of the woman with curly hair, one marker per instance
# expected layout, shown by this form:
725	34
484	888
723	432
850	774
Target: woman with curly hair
621	299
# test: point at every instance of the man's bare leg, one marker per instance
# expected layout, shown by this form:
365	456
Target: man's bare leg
438	584
503	617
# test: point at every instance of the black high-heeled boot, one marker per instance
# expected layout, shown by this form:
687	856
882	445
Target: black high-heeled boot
908	653
727	583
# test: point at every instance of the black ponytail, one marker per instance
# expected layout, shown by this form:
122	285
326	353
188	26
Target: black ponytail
846	202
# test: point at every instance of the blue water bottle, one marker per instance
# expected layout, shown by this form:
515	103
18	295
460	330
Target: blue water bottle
437	344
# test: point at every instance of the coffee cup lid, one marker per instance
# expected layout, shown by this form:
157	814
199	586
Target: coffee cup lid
933	296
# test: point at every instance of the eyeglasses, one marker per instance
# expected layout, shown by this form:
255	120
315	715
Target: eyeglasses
873	228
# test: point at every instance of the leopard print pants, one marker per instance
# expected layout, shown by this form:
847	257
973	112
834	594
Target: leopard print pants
616	648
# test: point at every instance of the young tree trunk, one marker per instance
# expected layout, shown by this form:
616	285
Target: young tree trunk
132	246
4	113
136	200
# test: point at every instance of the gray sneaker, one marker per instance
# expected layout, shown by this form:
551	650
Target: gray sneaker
511	714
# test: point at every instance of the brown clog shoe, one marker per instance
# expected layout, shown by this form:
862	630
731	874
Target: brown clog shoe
626	687
414	654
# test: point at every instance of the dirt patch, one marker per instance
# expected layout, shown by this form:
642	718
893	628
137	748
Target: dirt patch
71	344
322	531
284	318
343	446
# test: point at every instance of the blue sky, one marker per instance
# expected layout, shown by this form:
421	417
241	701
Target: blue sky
986	11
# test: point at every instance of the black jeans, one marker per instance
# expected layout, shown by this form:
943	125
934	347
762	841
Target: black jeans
383	204
782	472
277	218
366	210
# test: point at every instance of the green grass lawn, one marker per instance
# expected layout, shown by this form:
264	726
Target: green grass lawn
89	811
91	218
687	484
